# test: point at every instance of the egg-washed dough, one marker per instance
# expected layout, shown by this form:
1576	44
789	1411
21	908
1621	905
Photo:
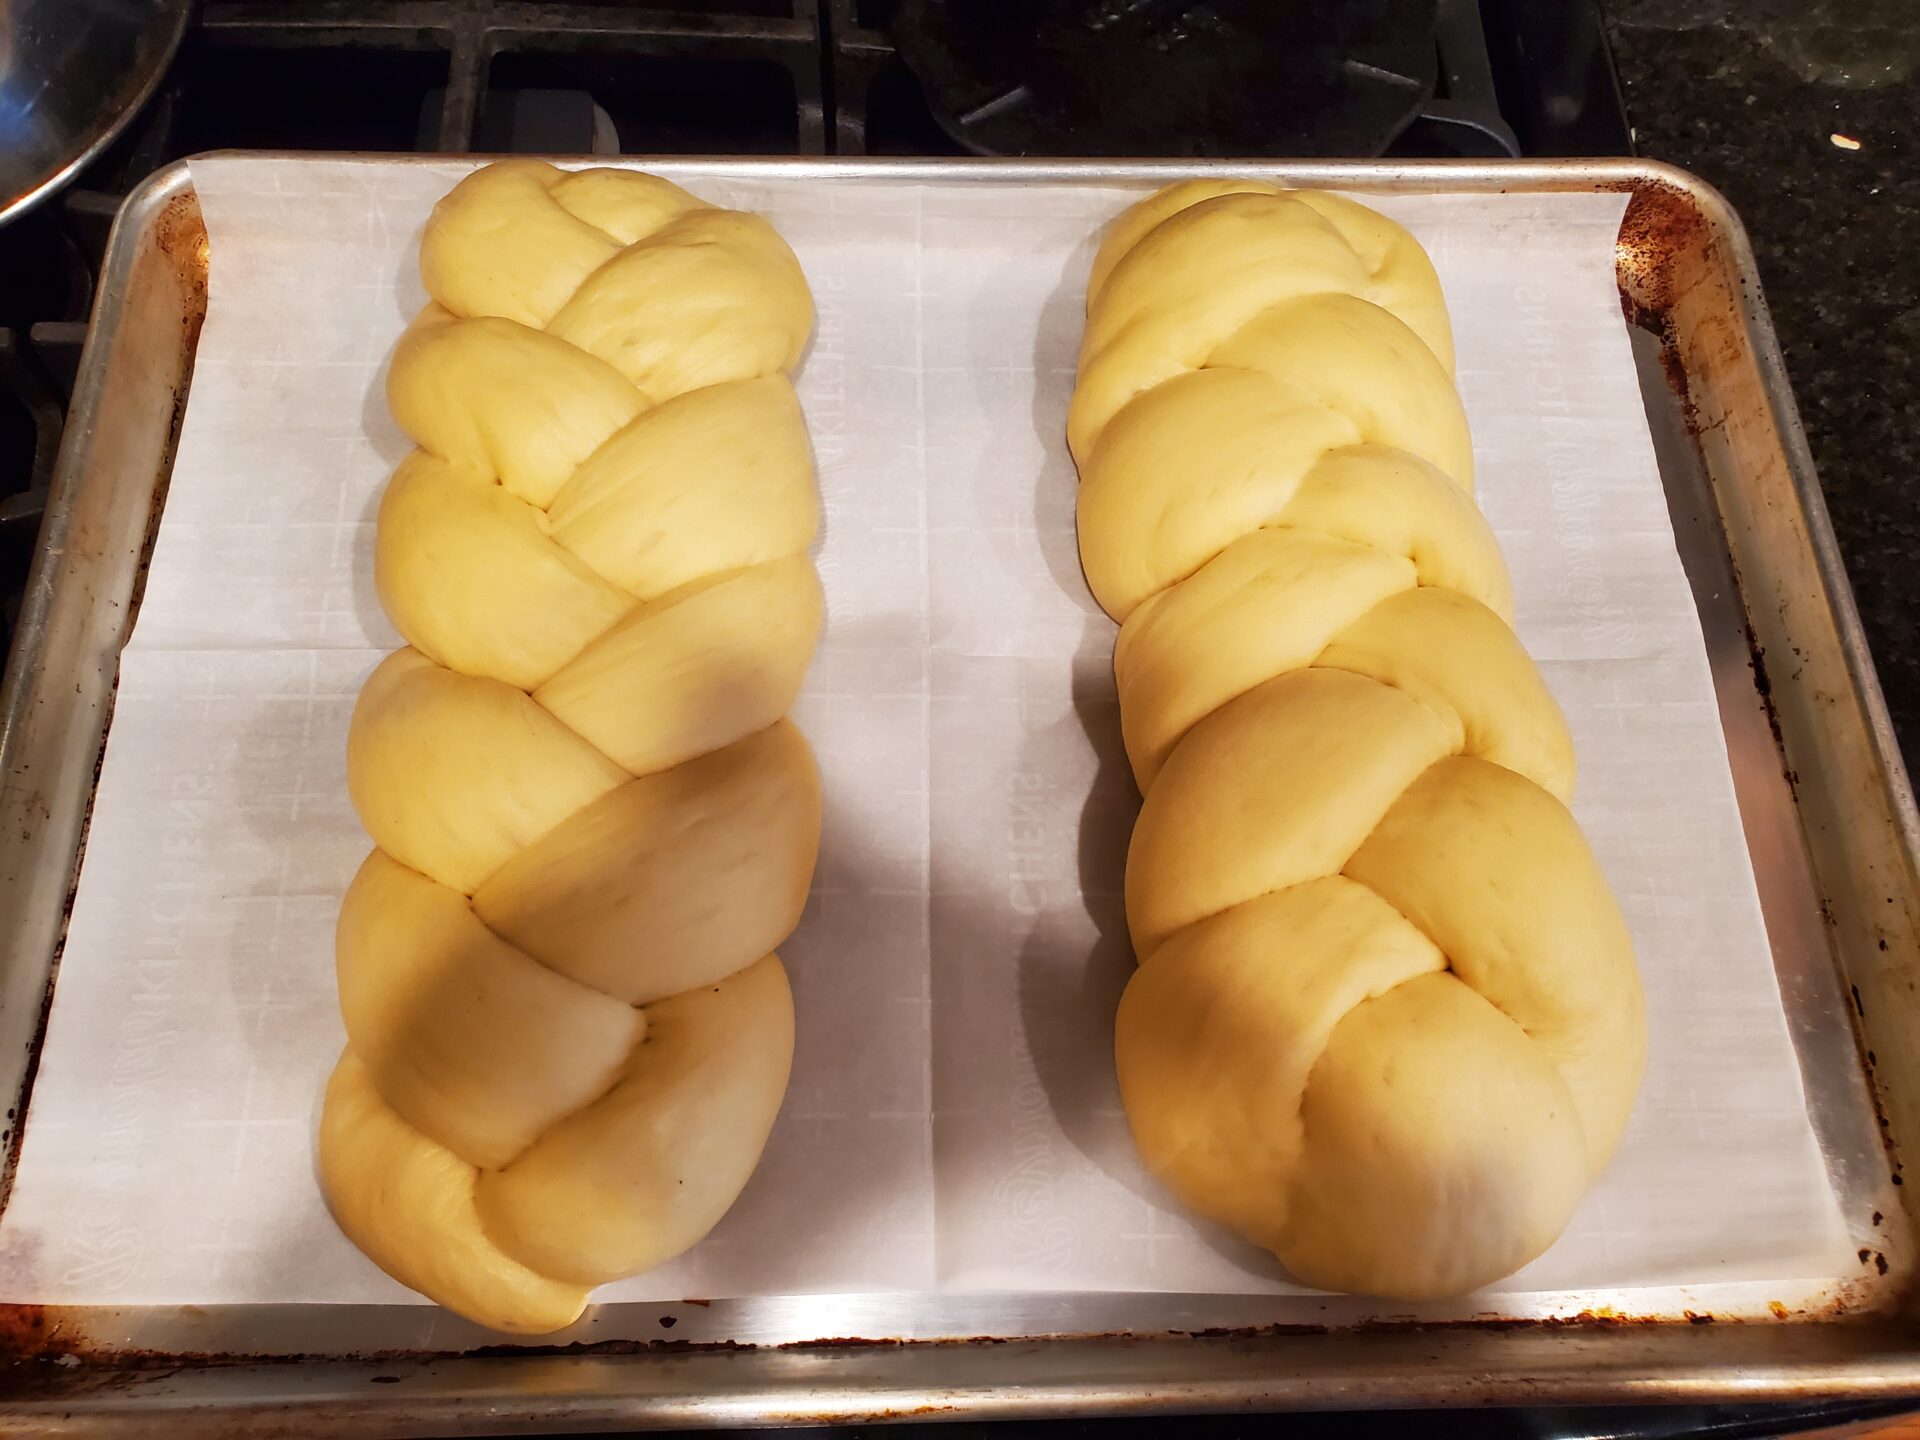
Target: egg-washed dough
1387	1022
568	1031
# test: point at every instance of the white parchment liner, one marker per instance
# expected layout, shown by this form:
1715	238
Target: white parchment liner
953	1121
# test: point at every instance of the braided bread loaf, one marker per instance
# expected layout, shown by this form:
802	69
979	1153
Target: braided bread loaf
568	1034
1387	1022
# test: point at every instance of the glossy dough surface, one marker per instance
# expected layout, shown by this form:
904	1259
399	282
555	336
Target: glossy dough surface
568	1031
1387	1022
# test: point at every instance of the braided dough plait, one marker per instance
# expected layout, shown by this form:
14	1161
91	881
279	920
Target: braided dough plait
1387	1022
568	1031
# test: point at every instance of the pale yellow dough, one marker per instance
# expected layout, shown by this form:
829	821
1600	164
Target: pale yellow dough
568	1032
1387	1022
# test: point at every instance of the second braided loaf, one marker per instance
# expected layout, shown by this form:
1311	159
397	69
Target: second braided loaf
1386	1022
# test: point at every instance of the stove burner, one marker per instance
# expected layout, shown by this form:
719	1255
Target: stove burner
1011	78
1172	77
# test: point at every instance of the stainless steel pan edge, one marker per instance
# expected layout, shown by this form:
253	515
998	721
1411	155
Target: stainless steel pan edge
1852	791
1343	1370
78	607
105	1374
1845	781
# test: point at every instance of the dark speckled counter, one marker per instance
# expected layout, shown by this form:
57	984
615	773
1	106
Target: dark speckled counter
1749	96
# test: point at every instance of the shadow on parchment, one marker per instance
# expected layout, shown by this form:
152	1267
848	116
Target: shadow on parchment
391	445
302	845
1068	1010
331	844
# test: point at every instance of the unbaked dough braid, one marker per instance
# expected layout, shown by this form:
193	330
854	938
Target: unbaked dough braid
568	1034
1387	1022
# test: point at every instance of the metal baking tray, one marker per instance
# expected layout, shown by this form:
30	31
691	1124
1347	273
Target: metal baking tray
1830	822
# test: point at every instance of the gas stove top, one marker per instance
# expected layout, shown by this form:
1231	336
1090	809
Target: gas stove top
881	77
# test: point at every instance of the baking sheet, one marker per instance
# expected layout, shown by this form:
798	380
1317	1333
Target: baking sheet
953	1122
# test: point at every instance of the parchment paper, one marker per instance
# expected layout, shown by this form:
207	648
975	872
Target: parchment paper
953	1121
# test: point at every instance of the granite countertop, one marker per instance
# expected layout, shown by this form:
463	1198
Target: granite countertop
1749	95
